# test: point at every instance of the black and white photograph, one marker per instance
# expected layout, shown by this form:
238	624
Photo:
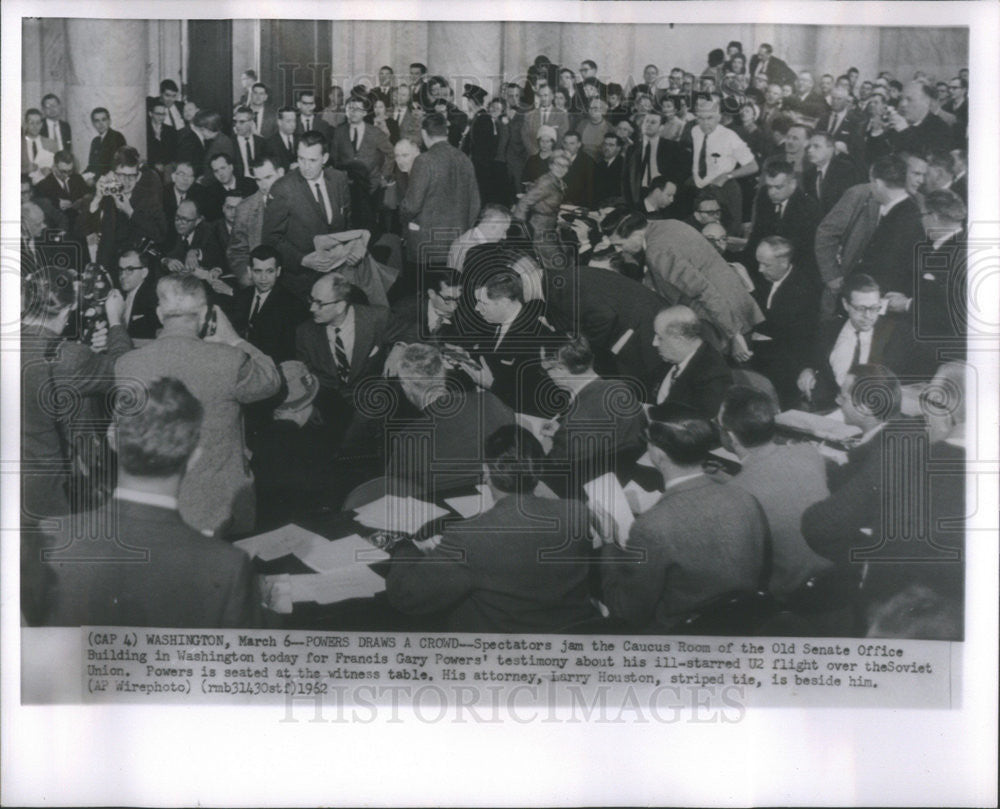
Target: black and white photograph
570	379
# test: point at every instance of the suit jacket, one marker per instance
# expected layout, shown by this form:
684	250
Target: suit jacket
813	105
185	579
215	196
67	133
414	324
269	120
844	233
790	322
672	160
246	236
685	269
277	150
443	447
850	131
260	149
118	232
580	181
26	159
889	256
778	72
842	173
273	329
786	480
798	224
930	135
161	150
375	152
521	566
222	377
318	125
192	149
50	188
939	309
196	193
374	333
293	217
702	385
558	119
609	179
102	152
442	198
700	541
143	322
204	238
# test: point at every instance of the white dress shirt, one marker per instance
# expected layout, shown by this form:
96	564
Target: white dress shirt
723	152
843	350
672	374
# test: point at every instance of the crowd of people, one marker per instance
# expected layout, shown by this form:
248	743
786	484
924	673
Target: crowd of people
566	279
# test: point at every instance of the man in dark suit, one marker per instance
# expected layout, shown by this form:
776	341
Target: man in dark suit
138	283
442	196
864	336
652	156
161	139
195	245
357	142
308	120
827	174
845	125
194	143
958	106
169	95
63	187
103	146
430	318
914	128
519	566
181	187
306	202
699	542
579	178
806	101
249	145
266	314
224	181
693	373
57	130
609	172
775	69
939	302
787	212
264	113
888	257
790	301
283	145
443	105
134	577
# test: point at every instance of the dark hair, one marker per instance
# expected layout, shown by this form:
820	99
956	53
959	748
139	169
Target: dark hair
242	109
780	167
716	57
572	134
614	89
575	354
858	282
157	439
896	85
93	112
659	183
629	224
259	161
435	125
63	156
47	291
127	156
614	217
261	85
929	90
505	284
265	252
436	277
767	47
946	204
589	63
168	85
513	456
419	66
313	138
141	255
826	136
735	43
891	170
282	110
250	73
207	119
781	124
48	96
224	155
685	440
615	138
749	415
876	390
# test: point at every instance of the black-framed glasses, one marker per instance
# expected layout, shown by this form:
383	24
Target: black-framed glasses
321	304
866	310
133	268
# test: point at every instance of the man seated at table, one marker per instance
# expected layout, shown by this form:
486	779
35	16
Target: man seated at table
699	542
430	317
155	570
442	448
521	566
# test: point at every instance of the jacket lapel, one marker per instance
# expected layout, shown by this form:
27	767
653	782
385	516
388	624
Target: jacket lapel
363	338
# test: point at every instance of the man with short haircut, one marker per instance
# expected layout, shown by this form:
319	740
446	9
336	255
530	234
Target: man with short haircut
806	101
490	228
308	120
385	90
785	479
659	198
138	284
310	200
161	139
224	372
63	186
442	197
196	246
544	115
520	566
430	318
789	299
181	187
787	212
223	183
265	313
196	142
248	221
845	125
249	145
693	373
283	145
827	173
169	96
720	157
699	542
609	172
957	105
103	147
580	175
37	151
939	304
356	141
775	69
653	156
161	571
264	121
56	129
913	127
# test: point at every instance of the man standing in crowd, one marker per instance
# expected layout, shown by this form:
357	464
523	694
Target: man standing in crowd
249	221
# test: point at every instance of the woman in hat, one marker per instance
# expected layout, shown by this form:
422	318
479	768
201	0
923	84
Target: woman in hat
536	165
539	207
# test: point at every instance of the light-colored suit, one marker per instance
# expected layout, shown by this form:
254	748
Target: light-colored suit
786	480
375	152
844	233
558	120
246	235
221	377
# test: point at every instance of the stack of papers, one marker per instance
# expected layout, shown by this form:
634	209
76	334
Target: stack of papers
643	500
328	588
405	515
319	553
473	504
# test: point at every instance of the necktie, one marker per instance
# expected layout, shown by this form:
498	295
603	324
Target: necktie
247	157
856	359
545	116
777	210
34	150
703	158
499	336
321	199
307	124
667	383
65	187
819	185
288	142
645	165
256	307
340	355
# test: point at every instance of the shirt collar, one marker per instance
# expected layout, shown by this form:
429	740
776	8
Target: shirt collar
146	498
347	324
677	481
884	209
942	239
686	361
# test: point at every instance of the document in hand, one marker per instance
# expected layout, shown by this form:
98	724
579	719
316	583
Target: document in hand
405	515
606	494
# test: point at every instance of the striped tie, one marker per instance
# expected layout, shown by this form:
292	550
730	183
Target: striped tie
340	355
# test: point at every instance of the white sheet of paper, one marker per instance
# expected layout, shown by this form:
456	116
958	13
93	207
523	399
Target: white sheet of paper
645	500
645	460
403	514
356	581
726	455
607	493
531	423
342	553
288	539
826	427
472	504
621	341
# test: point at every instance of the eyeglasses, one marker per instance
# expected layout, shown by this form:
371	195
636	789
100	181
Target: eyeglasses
866	310
710	210
179	218
134	268
321	304
127	175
